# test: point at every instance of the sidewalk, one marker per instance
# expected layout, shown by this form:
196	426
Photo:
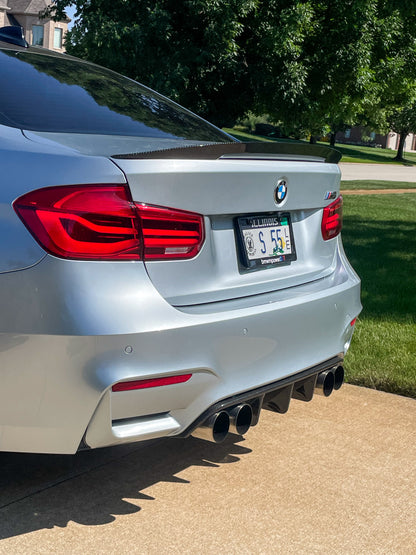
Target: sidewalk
379	172
334	475
376	191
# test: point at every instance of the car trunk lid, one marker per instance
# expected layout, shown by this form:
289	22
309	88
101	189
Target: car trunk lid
224	190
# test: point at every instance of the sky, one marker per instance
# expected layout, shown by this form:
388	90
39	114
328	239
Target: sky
70	13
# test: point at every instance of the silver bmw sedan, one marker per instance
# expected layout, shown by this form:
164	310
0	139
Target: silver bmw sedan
157	277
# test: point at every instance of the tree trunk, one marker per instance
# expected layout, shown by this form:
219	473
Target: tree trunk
332	139
312	140
400	149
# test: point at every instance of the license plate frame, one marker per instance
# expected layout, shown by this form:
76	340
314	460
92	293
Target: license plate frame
252	246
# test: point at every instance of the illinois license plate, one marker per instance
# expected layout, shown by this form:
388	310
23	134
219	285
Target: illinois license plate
266	240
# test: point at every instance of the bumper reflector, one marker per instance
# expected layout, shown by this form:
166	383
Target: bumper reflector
154	382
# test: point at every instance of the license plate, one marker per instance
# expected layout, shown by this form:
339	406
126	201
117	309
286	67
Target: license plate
266	240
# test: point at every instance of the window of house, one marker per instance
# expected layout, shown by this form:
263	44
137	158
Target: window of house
373	135
37	35
347	133
57	38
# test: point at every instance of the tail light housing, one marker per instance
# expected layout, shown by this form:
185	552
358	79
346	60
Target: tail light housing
167	233
101	222
332	219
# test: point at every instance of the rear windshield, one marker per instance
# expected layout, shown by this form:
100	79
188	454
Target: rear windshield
52	94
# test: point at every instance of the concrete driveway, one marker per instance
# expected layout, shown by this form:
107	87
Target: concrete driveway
380	172
335	475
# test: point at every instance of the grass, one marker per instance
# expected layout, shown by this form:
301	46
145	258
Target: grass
370	184
350	153
368	155
380	240
379	237
250	137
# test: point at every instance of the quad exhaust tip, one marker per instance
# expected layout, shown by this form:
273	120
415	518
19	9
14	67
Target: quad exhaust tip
236	420
325	383
240	419
339	375
215	428
329	380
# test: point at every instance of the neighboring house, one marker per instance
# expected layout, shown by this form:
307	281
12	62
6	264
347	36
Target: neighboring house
393	141
3	13
361	136
37	31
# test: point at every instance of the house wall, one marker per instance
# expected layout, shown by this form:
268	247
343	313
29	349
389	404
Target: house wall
27	19
390	140
3	18
27	22
50	27
393	141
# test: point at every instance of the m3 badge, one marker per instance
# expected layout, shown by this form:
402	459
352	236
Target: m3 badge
330	195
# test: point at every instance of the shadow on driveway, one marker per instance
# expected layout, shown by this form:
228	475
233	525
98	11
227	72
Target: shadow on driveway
93	485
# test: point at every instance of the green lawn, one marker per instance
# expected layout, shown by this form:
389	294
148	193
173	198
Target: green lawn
379	237
364	184
380	240
368	155
250	137
350	153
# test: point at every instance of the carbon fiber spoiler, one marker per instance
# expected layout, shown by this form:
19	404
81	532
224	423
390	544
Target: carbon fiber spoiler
282	151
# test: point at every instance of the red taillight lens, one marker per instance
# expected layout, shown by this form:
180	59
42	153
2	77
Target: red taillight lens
95	222
332	219
154	382
100	222
169	233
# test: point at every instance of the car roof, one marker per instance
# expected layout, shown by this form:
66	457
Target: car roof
37	50
9	46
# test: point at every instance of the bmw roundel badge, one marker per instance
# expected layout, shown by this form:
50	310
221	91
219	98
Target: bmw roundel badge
281	191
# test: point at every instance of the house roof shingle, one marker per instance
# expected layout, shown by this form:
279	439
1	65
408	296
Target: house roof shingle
28	6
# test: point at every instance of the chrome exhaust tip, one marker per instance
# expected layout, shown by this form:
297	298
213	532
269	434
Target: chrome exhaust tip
338	377
241	417
325	383
214	429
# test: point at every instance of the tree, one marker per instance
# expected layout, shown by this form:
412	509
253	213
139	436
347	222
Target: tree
394	63
186	49
325	48
403	122
302	61
316	66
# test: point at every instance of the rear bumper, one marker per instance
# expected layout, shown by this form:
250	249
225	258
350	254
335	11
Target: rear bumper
60	361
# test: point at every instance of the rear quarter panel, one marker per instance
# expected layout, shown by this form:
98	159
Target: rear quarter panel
26	166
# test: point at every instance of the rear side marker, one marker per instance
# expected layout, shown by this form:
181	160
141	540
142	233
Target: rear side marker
154	382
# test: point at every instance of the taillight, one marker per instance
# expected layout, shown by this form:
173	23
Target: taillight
95	222
170	233
100	222
332	219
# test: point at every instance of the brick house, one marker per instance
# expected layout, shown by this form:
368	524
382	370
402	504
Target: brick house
37	31
3	13
355	136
